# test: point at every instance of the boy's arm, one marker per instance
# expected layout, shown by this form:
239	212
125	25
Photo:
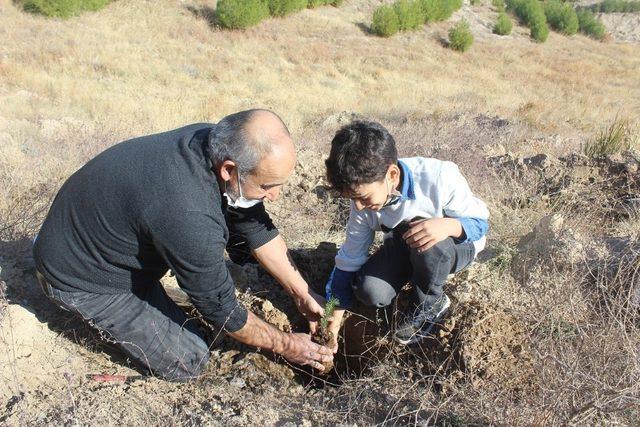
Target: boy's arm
460	204
351	256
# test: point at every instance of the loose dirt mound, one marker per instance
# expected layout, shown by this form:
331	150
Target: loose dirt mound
490	346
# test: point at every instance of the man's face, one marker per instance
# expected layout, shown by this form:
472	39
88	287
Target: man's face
267	180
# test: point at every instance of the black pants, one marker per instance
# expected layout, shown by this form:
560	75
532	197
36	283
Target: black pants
395	264
146	324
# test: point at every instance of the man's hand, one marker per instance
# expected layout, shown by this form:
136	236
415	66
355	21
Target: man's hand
425	233
310	306
301	350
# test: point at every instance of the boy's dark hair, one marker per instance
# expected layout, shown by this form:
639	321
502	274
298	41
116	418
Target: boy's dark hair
361	153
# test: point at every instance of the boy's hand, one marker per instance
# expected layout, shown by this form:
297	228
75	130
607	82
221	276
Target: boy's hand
334	327
425	233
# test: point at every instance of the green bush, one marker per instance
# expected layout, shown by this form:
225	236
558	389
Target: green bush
531	13
385	21
241	13
432	10
612	6
62	8
439	10
589	25
409	14
285	7
503	25
499	5
460	37
562	17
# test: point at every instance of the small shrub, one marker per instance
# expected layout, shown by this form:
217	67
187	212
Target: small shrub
499	5
285	7
460	37
439	10
613	6
62	8
531	13
562	17
241	13
385	21
409	12
617	137
503	25
336	3
589	25
432	10
475	2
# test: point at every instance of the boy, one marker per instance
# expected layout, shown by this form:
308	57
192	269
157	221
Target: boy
433	226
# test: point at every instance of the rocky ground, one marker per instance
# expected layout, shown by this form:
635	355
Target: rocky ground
556	281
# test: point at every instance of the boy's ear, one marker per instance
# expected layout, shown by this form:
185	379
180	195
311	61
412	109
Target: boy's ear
393	173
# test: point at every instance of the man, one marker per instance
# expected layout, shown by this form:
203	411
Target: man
172	201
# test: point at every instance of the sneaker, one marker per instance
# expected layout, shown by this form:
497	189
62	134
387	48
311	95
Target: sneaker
421	322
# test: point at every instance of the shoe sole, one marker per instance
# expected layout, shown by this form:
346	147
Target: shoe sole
420	335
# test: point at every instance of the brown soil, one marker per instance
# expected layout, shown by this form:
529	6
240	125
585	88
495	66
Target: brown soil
324	337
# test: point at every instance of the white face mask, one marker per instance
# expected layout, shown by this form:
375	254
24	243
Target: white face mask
240	202
393	195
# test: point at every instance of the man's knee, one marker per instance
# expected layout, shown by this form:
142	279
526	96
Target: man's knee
373	292
187	367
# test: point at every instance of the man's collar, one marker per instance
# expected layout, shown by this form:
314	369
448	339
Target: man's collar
406	189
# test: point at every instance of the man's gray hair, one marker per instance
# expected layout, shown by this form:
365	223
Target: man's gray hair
229	140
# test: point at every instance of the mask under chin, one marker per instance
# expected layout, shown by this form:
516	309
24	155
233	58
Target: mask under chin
241	202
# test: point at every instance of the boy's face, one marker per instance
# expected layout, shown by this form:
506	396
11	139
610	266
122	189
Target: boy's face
375	195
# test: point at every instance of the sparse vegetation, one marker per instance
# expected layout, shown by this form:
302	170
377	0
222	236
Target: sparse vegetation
460	37
616	6
385	21
590	25
503	25
620	135
531	13
561	16
62	8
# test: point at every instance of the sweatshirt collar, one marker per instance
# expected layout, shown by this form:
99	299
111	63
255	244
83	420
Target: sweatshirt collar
406	190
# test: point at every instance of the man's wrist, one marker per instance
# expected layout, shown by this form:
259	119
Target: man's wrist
281	342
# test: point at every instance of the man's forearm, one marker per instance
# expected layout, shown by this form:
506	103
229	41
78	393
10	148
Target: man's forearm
274	257
258	333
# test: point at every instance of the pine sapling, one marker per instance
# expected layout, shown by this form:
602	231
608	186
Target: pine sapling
323	335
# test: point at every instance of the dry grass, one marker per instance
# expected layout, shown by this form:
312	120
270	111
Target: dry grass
69	89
